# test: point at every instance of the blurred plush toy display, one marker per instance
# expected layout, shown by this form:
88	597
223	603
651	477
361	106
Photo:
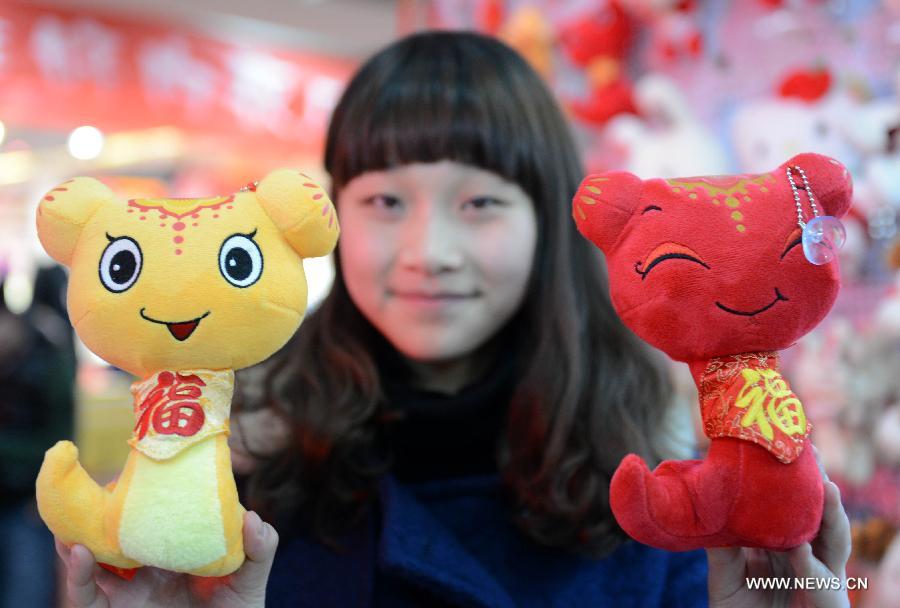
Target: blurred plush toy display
666	123
598	42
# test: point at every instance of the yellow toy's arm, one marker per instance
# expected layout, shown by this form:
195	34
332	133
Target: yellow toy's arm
302	211
63	213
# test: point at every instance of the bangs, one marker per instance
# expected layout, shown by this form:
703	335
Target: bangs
422	107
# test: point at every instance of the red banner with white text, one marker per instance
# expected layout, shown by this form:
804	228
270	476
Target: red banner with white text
63	68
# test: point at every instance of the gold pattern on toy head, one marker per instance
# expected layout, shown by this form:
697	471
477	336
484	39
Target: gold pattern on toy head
729	190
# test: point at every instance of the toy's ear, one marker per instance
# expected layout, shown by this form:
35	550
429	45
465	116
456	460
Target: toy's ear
828	179
64	211
302	211
603	205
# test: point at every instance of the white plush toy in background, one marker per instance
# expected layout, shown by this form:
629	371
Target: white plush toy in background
769	129
668	124
873	128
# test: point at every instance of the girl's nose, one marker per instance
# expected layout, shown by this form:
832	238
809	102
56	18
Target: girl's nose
431	244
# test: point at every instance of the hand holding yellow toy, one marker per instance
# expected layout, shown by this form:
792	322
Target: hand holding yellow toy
179	292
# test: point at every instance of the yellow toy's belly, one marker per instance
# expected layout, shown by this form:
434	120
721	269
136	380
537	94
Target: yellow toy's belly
172	513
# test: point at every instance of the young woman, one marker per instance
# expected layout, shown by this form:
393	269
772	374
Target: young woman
455	408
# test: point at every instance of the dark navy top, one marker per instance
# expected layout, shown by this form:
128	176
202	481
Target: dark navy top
441	533
452	543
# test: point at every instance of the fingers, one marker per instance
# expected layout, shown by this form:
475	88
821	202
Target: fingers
820	463
61	550
725	559
832	545
806	565
832	550
260	543
81	585
727	569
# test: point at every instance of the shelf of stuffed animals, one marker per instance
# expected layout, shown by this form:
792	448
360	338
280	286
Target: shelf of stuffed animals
732	86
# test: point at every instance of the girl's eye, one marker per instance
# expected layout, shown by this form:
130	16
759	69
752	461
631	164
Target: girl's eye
383	201
482	202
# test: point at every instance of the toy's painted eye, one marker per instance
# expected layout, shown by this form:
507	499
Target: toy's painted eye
120	264
667	251
240	260
793	240
793	244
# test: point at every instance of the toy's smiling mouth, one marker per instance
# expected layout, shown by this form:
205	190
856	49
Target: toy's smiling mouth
778	298
180	330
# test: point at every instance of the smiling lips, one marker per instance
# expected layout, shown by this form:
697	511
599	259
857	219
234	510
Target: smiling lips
778	298
432	296
180	330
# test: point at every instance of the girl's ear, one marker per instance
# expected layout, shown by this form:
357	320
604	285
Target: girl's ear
64	212
603	205
302	211
829	180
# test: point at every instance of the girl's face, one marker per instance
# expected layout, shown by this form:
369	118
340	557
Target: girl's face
437	256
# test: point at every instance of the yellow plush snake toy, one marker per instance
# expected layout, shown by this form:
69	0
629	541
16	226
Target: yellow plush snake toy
179	292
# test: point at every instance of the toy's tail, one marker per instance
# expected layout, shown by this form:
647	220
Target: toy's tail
74	507
739	496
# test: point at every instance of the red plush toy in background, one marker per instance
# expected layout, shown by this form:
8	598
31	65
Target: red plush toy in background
599	41
721	273
805	85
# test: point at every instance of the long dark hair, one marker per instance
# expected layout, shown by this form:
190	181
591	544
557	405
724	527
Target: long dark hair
589	391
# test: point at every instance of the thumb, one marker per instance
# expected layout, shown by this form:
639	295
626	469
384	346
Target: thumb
727	568
260	542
